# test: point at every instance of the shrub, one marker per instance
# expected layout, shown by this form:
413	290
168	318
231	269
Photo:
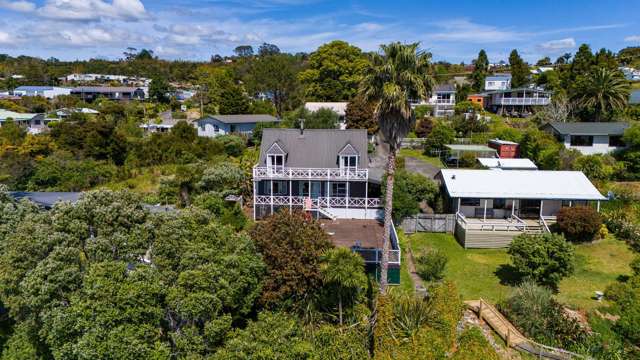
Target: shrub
544	258
473	345
579	223
440	135
424	127
430	266
410	190
534	311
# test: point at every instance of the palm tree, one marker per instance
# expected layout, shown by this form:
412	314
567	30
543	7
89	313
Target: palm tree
603	90
397	74
343	270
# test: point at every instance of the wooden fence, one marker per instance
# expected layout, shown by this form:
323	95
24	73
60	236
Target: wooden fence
442	223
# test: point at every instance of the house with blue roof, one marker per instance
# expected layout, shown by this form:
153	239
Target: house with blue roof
48	92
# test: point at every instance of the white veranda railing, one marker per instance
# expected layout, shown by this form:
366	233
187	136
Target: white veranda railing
321	202
260	172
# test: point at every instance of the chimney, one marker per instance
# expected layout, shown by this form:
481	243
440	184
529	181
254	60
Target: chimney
301	127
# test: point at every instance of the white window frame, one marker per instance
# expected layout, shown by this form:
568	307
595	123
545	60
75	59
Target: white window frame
272	162
348	165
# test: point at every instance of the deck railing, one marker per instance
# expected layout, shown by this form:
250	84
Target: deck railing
513	224
374	256
320	202
285	173
524	101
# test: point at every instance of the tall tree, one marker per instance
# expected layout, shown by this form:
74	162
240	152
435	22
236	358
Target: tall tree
233	101
159	90
276	77
335	70
359	115
544	61
398	74
343	272
519	70
481	67
268	49
243	51
604	91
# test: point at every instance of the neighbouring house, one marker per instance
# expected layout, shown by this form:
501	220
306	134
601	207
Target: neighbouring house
66	112
493	206
516	102
48	92
102	78
506	149
339	108
454	152
589	137
634	97
214	125
476	98
630	73
91	93
497	82
325	172
507	164
35	123
165	123
443	100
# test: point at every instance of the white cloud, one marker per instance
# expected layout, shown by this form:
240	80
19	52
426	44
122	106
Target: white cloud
20	6
558	45
93	10
632	38
466	31
6	38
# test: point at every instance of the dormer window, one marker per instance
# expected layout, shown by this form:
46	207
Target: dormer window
275	157
349	162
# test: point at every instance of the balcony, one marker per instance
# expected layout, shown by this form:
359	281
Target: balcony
321	202
524	101
285	173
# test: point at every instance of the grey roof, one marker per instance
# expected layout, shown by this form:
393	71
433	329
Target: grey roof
445	88
588	128
104	89
34	88
242	118
46	199
316	148
498	77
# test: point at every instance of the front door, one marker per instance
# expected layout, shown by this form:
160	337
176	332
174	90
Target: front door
529	208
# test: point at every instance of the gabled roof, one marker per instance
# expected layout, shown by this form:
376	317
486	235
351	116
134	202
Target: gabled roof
315	148
588	128
276	149
348	150
519	184
241	118
445	88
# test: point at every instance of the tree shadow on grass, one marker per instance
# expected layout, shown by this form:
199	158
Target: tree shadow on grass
508	275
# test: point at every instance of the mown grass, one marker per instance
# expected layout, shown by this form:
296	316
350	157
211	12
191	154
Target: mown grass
487	273
406	283
417	153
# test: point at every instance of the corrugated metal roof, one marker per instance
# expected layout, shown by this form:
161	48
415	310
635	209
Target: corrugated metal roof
460	147
445	88
5	114
241	118
339	108
34	88
316	148
496	163
104	89
519	184
588	128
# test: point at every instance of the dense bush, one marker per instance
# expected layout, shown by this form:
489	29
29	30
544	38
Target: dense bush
440	135
410	189
621	223
579	223
424	127
544	258
430	266
472	345
534	311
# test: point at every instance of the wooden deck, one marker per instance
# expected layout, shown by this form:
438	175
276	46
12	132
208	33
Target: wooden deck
492	233
348	233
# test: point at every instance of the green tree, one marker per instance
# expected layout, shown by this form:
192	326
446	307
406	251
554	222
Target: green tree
519	70
233	101
605	91
441	134
343	274
397	75
159	90
545	61
276	75
544	258
359	115
480	71
334	72
410	190
12	134
291	246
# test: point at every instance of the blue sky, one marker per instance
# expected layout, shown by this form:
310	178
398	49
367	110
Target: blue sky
195	29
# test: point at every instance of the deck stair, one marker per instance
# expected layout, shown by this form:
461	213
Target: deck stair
327	213
512	336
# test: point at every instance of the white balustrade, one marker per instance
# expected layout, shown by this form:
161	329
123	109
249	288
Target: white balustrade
309	173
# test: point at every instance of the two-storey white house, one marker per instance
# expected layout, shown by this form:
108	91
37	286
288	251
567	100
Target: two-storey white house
443	99
589	137
323	171
497	82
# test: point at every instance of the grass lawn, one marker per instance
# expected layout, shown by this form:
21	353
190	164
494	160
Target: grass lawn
406	283
417	153
485	273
